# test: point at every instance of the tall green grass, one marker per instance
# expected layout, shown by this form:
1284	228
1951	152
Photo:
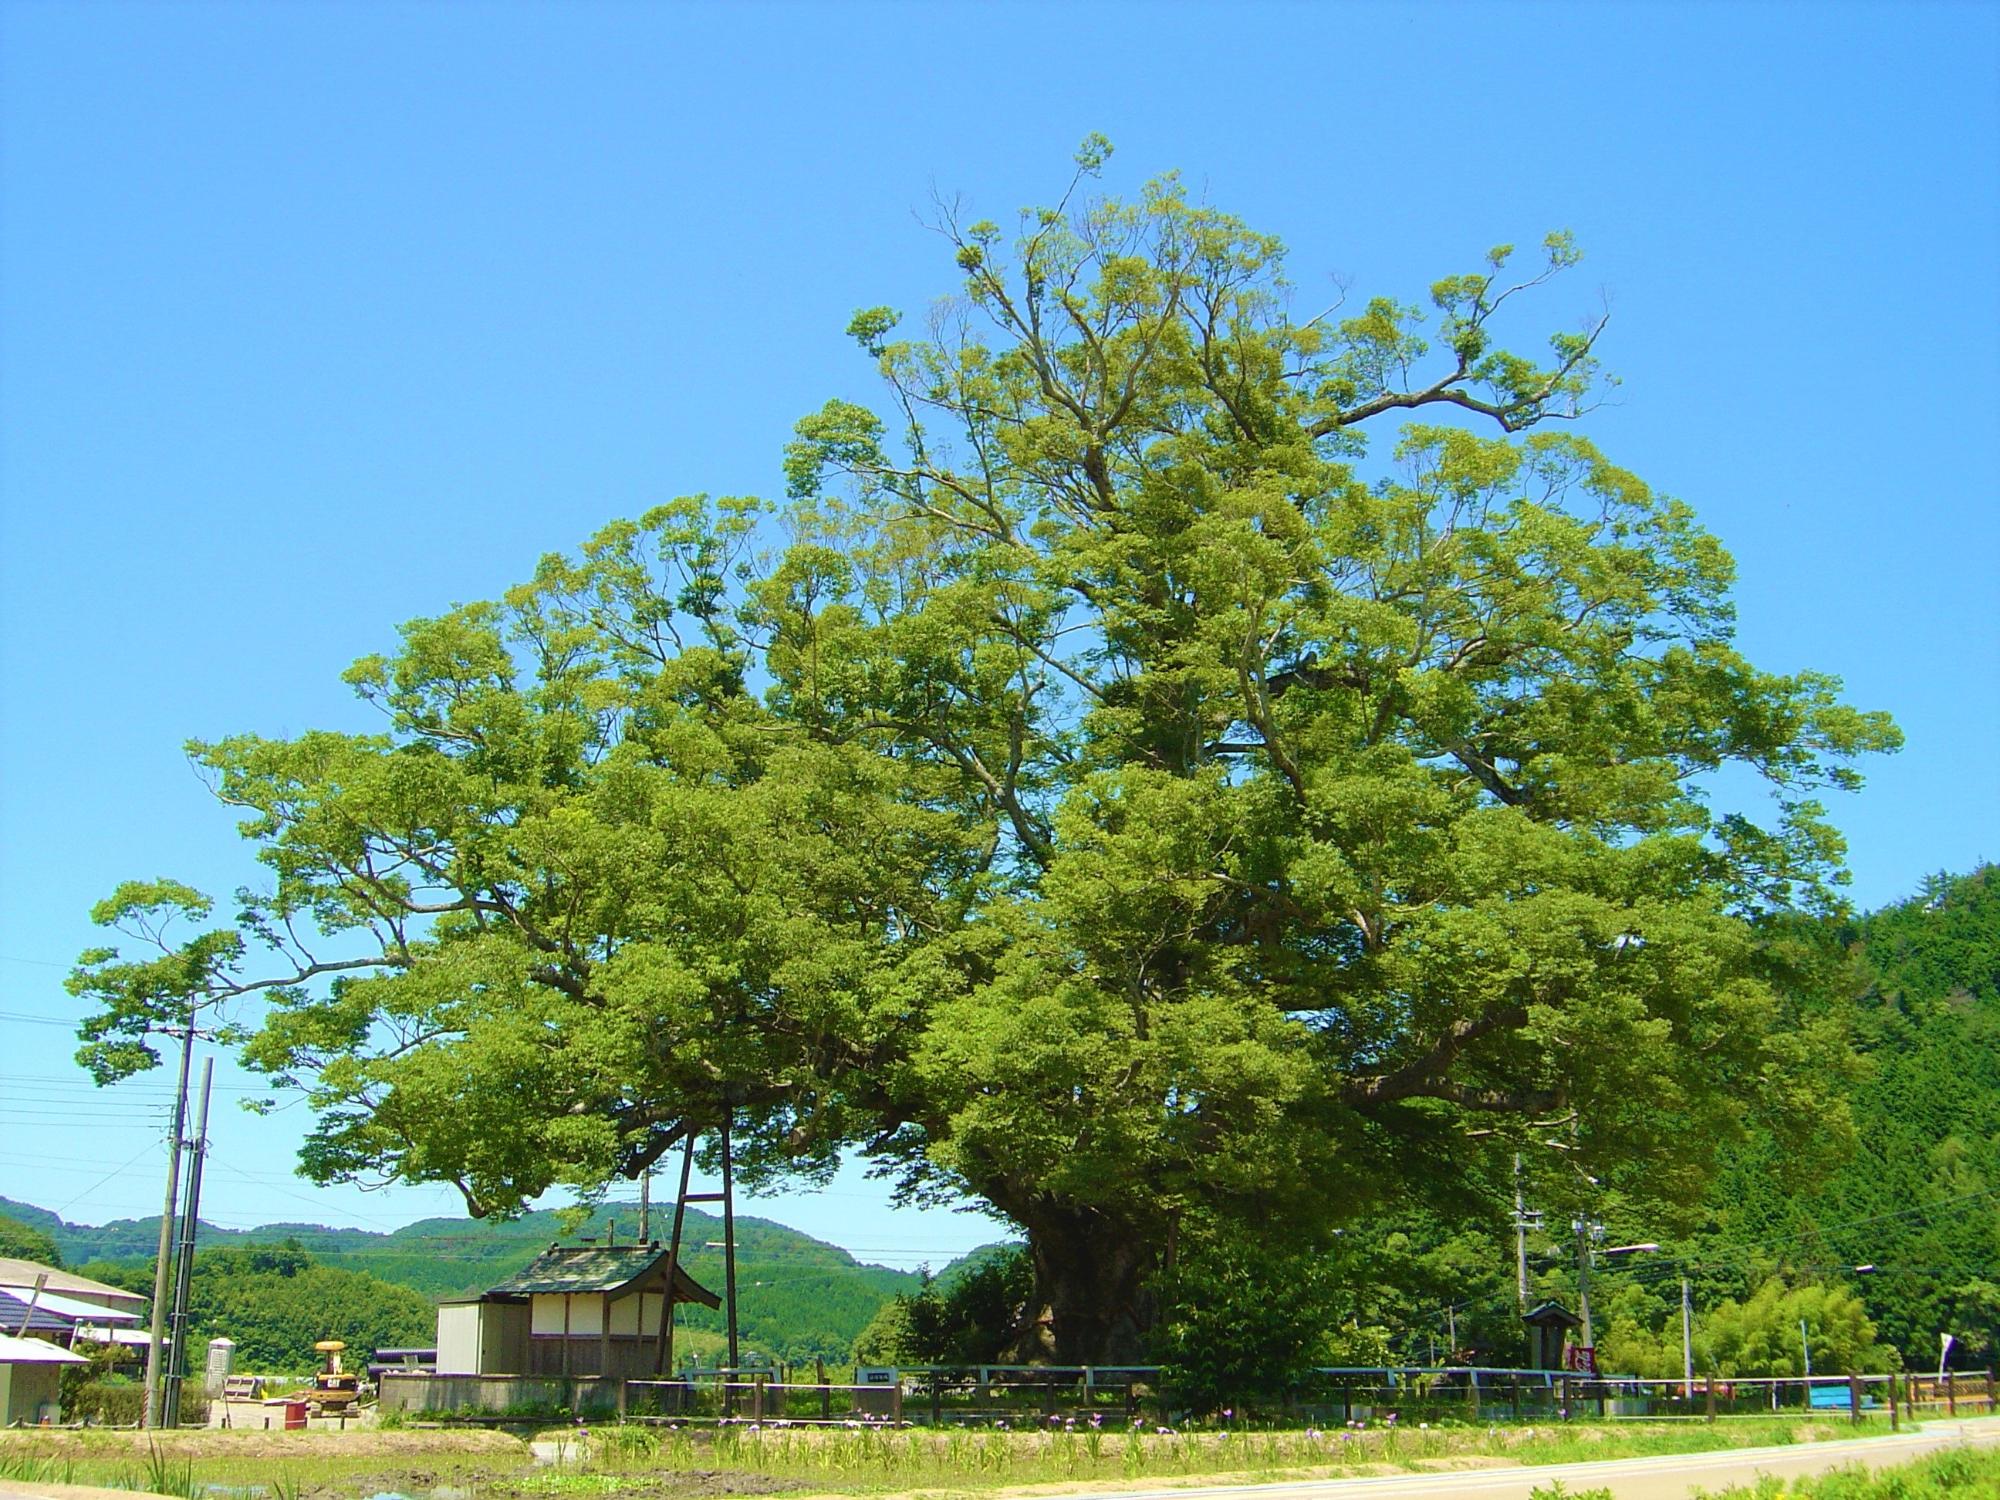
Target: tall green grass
876	1459
1954	1474
612	1459
157	1473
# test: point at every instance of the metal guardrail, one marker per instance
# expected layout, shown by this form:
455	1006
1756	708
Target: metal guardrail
1025	1395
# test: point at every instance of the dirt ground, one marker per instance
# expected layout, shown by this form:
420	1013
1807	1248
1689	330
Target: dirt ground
259	1416
679	1484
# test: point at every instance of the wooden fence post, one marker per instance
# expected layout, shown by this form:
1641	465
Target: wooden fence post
825	1394
1951	1393
1895	1406
1854	1398
896	1400
937	1399
1708	1386
1472	1391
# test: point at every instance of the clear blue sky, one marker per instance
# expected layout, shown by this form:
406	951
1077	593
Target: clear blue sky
320	317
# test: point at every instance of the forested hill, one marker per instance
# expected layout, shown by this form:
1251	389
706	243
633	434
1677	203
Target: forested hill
801	1297
1920	1199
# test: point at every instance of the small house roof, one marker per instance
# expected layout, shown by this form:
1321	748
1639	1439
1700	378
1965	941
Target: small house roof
599	1268
19	1274
1551	1314
14	1313
15	1299
15	1351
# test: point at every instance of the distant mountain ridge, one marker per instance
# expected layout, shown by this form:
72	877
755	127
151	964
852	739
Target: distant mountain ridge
801	1298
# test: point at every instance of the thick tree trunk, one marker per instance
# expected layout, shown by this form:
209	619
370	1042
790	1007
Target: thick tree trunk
1092	1302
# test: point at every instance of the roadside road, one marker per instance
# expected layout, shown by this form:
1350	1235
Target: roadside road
1672	1476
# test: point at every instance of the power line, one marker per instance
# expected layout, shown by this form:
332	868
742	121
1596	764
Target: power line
146	1151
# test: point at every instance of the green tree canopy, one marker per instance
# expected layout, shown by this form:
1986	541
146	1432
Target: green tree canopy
19	1241
1125	794
969	1316
165	990
1768	1333
276	1301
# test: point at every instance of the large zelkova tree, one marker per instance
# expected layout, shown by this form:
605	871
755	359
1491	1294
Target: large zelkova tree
1144	789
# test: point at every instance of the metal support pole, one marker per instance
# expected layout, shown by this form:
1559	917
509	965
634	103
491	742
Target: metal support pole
729	1249
663	1358
34	1299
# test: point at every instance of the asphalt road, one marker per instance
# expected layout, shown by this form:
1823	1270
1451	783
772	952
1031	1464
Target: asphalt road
1671	1477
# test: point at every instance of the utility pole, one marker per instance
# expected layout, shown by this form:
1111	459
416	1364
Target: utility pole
646	1207
1687	1340
163	1260
1584	1227
1520	1239
177	1355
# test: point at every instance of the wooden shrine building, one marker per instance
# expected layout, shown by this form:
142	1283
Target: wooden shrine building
1549	1328
583	1310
